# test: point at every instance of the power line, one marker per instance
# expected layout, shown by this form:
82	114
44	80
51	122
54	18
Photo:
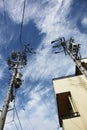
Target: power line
9	122
5	21
18	118
29	120
28	115
52	115
6	36
15	125
4	9
15	110
20	37
12	122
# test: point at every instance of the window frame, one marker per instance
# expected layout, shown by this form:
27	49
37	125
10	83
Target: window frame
66	106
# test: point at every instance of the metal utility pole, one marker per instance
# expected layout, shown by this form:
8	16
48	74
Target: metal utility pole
16	61
72	49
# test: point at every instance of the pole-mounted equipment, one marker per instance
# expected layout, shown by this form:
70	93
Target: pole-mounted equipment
73	50
16	62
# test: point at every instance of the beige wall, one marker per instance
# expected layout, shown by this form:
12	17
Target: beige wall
74	124
77	85
85	60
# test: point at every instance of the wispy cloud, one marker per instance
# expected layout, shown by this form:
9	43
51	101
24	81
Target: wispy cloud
2	66
84	21
51	18
36	114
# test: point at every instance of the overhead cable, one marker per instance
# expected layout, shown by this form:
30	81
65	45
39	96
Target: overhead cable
5	21
22	21
15	110
18	118
51	114
15	125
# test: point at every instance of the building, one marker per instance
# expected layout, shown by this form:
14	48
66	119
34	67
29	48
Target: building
71	99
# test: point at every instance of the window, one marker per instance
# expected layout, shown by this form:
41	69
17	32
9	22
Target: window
66	106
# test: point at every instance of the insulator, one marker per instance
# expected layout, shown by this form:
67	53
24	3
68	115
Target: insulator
55	46
14	55
9	61
24	57
24	62
19	53
23	54
52	42
72	39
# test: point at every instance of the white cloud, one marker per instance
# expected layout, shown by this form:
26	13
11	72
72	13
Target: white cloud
51	20
37	120
14	9
84	22
2	66
36	114
47	65
1	5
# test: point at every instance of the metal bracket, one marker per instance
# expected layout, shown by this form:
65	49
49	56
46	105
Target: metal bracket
11	109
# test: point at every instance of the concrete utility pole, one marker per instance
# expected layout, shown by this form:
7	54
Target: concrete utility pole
17	60
78	64
72	49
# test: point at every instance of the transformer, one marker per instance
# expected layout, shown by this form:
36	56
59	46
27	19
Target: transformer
18	80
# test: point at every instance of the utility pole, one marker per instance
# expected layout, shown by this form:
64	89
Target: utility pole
72	49
78	64
16	61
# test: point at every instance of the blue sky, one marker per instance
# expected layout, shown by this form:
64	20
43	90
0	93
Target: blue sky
44	21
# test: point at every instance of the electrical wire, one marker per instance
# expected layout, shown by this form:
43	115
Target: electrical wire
18	118
51	114
28	116
4	15
4	6
29	119
15	125
21	28
21	43
31	124
15	110
12	122
5	22
9	122
6	38
24	111
14	104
